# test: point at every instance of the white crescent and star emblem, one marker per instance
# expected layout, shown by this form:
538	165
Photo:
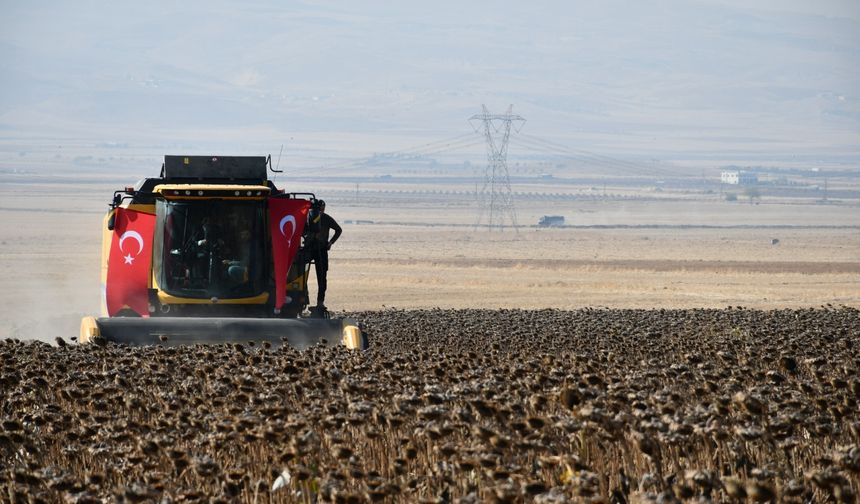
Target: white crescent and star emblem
292	221
136	236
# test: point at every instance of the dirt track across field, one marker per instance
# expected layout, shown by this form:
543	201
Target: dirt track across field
803	267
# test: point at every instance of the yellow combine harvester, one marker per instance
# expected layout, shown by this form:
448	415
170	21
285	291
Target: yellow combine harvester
211	252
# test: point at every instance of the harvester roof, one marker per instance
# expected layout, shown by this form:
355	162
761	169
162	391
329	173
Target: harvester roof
215	168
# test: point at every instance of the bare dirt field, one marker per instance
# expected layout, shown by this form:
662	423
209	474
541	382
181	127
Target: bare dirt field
422	250
572	268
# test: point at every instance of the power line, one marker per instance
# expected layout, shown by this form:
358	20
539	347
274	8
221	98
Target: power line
423	150
606	164
496	198
561	150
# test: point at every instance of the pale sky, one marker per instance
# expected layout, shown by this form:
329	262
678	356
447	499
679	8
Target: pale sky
833	8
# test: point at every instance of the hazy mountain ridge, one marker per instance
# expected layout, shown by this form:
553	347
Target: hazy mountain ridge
671	70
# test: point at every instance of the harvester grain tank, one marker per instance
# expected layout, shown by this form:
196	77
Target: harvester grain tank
211	251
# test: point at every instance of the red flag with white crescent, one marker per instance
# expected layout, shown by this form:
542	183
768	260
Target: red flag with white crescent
287	219
129	262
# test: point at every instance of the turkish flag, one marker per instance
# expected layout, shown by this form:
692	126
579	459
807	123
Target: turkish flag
287	219
129	262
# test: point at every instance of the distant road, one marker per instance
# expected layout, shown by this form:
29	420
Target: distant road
608	226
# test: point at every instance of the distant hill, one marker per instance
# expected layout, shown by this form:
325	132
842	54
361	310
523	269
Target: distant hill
679	76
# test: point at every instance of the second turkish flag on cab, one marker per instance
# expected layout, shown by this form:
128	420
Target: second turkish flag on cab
287	219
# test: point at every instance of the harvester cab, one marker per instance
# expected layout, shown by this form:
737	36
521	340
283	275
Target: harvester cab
210	252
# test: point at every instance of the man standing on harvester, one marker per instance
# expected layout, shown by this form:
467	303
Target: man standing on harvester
321	224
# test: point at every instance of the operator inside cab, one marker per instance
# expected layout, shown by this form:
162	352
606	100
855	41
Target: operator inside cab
211	249
320	226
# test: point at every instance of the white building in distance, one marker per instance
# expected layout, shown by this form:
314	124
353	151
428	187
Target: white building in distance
736	177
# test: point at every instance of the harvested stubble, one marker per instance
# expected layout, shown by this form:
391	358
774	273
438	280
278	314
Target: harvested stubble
469	406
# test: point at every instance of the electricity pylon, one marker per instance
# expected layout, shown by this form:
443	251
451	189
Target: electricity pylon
496	198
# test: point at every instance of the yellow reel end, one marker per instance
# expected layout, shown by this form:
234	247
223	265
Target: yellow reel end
351	336
89	330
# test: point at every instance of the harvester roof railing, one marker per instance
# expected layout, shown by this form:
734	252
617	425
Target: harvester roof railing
294	195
